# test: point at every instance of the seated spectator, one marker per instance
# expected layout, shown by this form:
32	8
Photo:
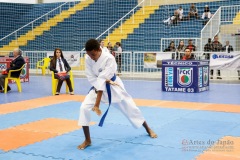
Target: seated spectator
208	48
206	14
16	63
180	13
60	67
216	45
181	48
227	48
102	46
191	46
173	19
193	11
188	55
171	47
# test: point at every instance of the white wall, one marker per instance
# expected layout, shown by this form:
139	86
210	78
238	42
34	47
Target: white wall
20	1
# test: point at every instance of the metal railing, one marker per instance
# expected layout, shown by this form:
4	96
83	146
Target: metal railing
120	21
166	41
211	28
228	13
132	64
224	15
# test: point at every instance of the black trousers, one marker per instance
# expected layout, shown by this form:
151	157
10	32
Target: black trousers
119	62
60	82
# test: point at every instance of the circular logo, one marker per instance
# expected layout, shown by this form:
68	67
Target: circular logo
214	56
23	73
184	79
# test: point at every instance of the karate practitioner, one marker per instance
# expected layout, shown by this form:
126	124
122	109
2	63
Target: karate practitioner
101	68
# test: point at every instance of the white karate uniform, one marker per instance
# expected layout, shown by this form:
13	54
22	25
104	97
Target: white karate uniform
97	74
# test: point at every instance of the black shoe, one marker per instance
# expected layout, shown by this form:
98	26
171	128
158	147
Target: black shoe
8	88
57	93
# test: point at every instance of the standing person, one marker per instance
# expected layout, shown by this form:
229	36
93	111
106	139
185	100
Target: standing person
102	46
16	63
216	45
118	56
60	66
101	70
110	48
208	48
227	48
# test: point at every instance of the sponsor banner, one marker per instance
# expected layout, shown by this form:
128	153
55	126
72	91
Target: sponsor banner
154	60
150	60
72	57
229	61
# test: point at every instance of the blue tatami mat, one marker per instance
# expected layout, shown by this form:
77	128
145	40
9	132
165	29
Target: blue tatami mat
128	151
65	147
12	155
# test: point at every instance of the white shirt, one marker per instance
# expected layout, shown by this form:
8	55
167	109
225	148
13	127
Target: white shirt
100	71
58	66
119	51
104	49
227	49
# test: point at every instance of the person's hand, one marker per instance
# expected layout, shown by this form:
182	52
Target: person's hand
97	110
3	69
112	83
62	72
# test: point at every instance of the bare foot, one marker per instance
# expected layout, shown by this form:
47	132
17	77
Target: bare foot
84	145
152	134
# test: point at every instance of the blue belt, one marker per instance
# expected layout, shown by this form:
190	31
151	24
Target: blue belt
109	100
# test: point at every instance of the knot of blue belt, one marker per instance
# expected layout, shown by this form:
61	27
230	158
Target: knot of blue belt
109	100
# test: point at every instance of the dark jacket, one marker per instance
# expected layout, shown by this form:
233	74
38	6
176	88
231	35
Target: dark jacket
216	46
230	49
208	47
17	63
54	62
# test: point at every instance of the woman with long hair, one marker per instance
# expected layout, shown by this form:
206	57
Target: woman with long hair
60	67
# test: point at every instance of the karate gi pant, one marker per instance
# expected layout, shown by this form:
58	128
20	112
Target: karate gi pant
127	106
